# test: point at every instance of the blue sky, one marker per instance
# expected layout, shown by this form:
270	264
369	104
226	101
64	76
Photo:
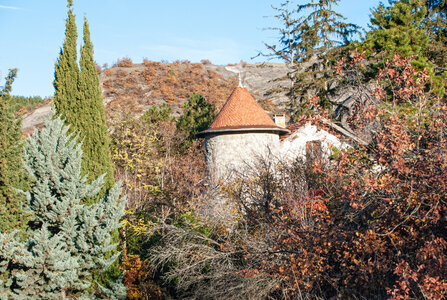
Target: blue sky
160	30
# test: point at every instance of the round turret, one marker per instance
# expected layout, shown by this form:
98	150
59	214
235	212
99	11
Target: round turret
241	134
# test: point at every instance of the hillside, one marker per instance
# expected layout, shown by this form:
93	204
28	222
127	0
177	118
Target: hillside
130	89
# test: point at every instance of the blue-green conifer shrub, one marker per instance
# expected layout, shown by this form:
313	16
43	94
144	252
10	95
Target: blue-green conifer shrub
68	240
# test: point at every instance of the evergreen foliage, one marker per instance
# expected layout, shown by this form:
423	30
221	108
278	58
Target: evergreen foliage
28	103
156	114
78	100
91	118
309	35
399	29
66	73
68	240
197	116
320	30
11	172
437	27
411	28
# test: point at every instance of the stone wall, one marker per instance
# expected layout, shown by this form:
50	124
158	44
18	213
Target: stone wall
229	155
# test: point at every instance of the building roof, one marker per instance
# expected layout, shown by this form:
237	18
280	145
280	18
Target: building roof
241	112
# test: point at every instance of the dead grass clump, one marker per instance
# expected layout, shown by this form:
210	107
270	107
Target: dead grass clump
151	64
109	72
108	85
124	62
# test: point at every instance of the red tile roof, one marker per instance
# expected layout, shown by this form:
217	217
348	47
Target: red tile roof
241	111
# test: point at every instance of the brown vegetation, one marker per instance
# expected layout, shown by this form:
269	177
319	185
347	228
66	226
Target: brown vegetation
137	87
368	224
124	62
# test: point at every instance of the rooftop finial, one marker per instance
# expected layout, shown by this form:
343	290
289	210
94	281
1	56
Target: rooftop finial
239	70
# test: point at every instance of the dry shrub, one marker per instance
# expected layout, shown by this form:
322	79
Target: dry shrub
172	82
121	73
124	62
202	266
151	64
148	74
108	72
205	62
107	84
137	278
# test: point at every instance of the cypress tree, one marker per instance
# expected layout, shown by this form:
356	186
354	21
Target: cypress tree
68	241
78	100
11	172
66	72
91	118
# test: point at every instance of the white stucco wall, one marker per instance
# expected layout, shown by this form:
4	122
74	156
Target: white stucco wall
228	155
294	146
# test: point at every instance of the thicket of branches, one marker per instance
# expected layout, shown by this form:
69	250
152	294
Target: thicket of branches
368	223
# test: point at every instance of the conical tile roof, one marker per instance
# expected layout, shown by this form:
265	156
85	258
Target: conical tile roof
242	112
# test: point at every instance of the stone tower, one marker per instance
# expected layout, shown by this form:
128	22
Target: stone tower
241	134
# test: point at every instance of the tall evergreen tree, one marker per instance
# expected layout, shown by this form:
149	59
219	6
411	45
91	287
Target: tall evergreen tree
321	32
68	240
91	118
66	72
11	172
78	100
310	34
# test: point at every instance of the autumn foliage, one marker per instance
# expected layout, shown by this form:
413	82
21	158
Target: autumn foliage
372	222
369	223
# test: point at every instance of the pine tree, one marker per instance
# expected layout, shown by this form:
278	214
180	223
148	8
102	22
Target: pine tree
67	240
436	24
405	28
320	35
197	116
91	119
399	29
11	172
66	73
310	33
